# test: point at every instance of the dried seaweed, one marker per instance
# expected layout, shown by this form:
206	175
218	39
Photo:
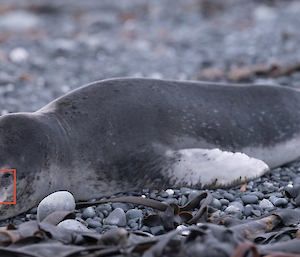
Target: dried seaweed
227	237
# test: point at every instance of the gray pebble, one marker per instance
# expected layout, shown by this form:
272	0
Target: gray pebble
269	209
58	201
133	214
257	207
224	202
133	224
216	214
99	230
238	205
250	183
100	215
104	207
19	21
215	195
291	206
281	202
273	199
247	199
89	212
73	225
183	200
229	197
256	212
296	181
164	194
116	217
112	227
93	223
283	80
260	195
33	210
193	194
216	204
170	200
248	210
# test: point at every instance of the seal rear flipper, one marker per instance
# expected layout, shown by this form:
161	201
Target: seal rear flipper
212	168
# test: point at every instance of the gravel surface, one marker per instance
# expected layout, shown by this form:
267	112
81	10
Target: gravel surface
51	47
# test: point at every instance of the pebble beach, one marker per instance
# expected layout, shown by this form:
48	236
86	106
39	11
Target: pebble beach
48	48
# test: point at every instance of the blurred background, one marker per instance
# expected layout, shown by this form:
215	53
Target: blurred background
48	48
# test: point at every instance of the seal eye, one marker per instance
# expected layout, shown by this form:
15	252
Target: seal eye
6	176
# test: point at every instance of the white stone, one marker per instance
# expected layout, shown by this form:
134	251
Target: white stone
58	201
265	203
73	225
18	55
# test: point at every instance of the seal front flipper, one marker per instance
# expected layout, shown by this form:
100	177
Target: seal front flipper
211	168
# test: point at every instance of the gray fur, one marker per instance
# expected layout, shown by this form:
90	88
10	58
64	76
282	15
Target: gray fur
122	134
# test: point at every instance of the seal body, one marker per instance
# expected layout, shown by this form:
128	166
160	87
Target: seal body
129	133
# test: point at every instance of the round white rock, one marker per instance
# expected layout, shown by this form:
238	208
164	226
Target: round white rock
58	201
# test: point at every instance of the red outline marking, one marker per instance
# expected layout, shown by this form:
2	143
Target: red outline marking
15	186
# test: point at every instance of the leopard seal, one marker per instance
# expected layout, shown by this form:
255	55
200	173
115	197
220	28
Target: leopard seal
130	133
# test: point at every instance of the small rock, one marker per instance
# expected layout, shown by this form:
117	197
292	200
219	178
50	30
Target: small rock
170	191
19	21
116	217
163	194
216	214
99	230
104	207
238	205
33	210
273	199
89	212
216	204
260	195
229	197
58	201
93	223
265	203
235	211
133	214
72	225
183	200
248	199
296	181
170	200
193	194
257	213
18	55
5	78
257	207
281	202
185	190
264	12
268	209
248	210
224	202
